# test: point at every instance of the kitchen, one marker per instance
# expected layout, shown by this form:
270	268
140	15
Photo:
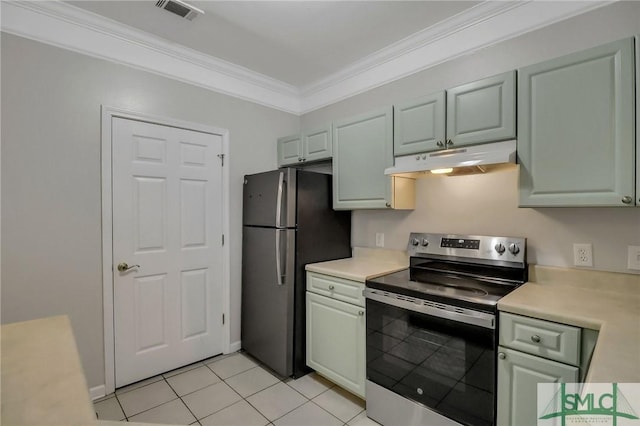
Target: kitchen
53	222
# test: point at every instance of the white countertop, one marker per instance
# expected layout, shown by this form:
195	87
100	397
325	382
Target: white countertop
604	301
365	264
42	378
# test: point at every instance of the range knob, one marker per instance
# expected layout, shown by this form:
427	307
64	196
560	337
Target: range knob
500	248
415	241
514	249
424	242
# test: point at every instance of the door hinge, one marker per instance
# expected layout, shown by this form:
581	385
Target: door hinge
222	319
221	157
222	239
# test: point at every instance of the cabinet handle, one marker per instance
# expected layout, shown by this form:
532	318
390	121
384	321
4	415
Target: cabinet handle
331	287
535	338
502	355
361	313
627	199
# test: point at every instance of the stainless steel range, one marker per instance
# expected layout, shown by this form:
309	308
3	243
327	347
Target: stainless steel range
431	330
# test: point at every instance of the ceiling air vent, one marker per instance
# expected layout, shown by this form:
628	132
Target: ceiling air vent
180	8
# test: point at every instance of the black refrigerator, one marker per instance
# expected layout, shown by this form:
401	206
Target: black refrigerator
288	222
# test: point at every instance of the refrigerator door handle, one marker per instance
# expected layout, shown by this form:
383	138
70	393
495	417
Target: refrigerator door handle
279	201
279	269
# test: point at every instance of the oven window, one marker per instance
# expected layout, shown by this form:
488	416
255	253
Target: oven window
445	365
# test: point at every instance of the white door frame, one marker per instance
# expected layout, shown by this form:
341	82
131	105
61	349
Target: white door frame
108	113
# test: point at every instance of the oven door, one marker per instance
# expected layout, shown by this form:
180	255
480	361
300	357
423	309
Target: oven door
440	357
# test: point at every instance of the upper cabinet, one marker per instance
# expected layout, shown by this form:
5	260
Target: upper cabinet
289	150
317	144
473	113
419	125
482	111
362	150
314	145
576	129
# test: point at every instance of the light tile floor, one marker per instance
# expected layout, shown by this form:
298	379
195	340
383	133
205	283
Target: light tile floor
233	390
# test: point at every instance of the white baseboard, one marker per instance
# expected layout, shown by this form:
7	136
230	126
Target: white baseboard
97	392
235	346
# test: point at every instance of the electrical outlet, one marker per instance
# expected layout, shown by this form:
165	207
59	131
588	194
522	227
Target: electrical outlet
582	255
633	261
379	239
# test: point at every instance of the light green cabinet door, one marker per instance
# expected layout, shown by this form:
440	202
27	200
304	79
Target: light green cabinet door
518	378
317	144
482	111
289	150
362	149
336	341
576	129
419	125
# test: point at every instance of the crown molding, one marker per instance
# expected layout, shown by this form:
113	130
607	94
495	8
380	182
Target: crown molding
490	22
69	27
486	24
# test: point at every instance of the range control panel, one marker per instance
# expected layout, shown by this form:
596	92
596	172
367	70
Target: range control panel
481	248
460	243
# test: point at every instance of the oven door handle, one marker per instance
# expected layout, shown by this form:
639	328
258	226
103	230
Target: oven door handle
439	310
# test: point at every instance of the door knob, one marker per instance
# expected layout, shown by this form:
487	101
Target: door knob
123	267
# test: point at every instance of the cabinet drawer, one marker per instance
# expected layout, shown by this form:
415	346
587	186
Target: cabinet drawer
336	288
543	338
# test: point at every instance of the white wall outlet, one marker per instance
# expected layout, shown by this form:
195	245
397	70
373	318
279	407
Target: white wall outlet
379	239
582	255
633	261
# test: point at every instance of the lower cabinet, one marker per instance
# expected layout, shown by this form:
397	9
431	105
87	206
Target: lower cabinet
533	351
518	378
336	341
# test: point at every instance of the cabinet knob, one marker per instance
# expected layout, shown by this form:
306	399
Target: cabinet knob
331	287
535	338
627	199
361	313
440	144
418	157
502	355
388	204
449	142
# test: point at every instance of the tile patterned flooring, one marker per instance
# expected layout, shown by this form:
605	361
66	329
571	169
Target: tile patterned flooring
233	390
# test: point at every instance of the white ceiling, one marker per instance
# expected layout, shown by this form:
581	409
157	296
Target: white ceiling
296	56
297	42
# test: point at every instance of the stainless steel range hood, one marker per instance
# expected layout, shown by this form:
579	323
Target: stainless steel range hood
464	160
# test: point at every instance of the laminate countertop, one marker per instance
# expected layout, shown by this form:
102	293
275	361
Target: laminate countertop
604	301
365	264
42	379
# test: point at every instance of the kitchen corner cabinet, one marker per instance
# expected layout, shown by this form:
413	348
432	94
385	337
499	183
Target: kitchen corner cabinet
336	330
576	129
362	150
313	145
473	113
533	351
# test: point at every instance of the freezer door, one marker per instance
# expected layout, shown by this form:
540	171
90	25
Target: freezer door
268	277
269	199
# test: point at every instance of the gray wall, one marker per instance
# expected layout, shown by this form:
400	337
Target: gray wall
488	204
51	211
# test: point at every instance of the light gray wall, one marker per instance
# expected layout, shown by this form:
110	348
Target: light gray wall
487	205
51	211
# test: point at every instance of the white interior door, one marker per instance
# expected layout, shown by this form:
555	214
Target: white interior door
167	218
